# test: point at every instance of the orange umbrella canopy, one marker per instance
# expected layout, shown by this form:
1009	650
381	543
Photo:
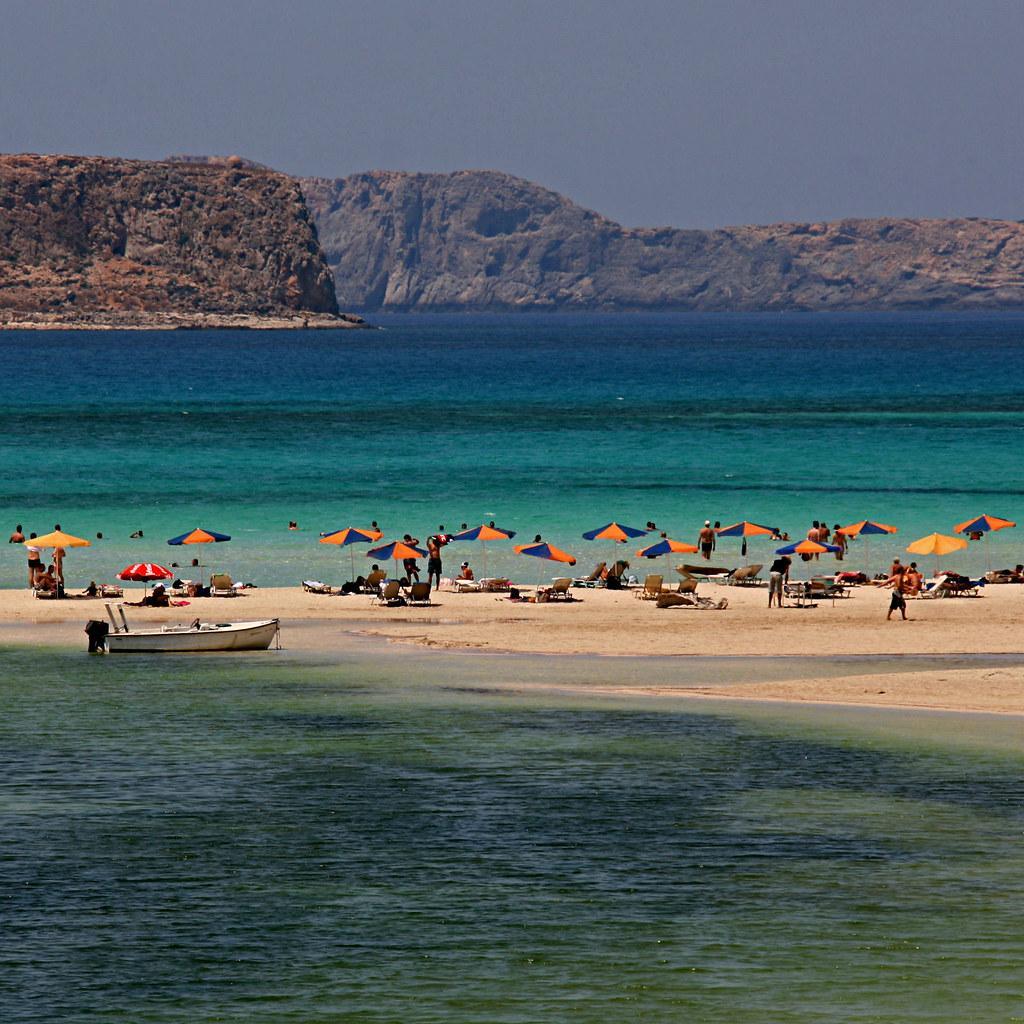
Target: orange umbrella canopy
936	544
614	531
807	547
544	550
865	527
57	539
667	546
350	535
396	549
745	529
983	524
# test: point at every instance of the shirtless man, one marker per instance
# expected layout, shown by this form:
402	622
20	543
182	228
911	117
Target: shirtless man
434	568
17	537
706	540
35	563
899	586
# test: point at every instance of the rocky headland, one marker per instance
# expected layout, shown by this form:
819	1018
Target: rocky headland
483	240
95	242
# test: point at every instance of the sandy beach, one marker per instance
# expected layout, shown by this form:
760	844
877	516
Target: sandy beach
610	623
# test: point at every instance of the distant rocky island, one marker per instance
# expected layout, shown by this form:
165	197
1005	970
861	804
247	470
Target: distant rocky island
483	240
98	242
199	241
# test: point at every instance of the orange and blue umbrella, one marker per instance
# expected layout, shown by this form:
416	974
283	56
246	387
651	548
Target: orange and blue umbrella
616	532
865	528
983	524
349	536
198	536
807	547
745	529
667	546
547	551
484	533
397	550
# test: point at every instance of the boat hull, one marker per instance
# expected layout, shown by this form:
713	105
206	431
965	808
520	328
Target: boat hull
236	636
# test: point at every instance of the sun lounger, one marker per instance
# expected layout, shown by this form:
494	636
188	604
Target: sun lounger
594	579
652	588
221	585
496	584
110	590
745	576
316	587
704	572
467	586
559	589
668	599
419	594
389	593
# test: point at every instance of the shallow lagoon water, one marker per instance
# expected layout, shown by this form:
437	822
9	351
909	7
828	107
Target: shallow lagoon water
370	837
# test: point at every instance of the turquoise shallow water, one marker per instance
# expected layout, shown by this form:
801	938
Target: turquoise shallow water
546	424
274	838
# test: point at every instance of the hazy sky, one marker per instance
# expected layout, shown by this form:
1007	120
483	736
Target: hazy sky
659	112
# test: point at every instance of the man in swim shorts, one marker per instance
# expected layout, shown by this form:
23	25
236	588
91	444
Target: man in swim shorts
706	540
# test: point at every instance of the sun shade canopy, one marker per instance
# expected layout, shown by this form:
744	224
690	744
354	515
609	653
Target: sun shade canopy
745	529
866	528
395	549
614	531
57	539
484	533
144	572
548	551
667	546
807	547
198	536
936	544
350	535
983	524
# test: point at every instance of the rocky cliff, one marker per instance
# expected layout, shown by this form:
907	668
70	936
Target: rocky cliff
102	240
485	240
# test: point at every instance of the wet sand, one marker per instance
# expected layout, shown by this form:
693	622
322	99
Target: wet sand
611	623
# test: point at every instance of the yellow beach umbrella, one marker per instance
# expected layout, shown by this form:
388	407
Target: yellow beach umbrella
936	544
57	539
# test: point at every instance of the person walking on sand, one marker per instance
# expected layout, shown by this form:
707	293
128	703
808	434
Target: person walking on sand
706	540
778	576
899	600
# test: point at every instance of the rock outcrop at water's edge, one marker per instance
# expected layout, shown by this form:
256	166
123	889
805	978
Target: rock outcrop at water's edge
485	240
98	242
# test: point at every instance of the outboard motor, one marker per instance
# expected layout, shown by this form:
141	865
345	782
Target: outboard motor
97	631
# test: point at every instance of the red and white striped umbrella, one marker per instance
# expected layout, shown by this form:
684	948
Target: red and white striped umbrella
144	572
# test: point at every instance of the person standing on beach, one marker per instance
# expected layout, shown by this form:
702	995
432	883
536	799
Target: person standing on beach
899	600
17	537
412	569
58	564
434	567
35	563
778	576
706	540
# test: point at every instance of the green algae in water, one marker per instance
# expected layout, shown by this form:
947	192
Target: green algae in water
261	839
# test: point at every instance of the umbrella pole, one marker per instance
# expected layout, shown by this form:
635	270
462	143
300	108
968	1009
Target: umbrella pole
483	556
352	554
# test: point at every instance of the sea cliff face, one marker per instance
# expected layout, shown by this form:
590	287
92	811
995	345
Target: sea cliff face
486	240
97	240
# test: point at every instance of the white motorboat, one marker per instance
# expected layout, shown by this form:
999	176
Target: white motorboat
195	637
